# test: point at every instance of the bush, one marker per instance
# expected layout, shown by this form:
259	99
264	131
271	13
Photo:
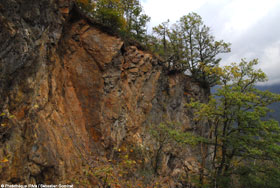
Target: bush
110	13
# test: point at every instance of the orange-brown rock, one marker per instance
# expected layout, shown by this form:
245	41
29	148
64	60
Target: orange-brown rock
76	93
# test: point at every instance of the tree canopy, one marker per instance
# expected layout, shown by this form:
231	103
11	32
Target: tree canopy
189	44
135	18
120	15
110	13
242	146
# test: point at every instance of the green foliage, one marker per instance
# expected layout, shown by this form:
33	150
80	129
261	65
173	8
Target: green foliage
200	47
110	13
185	137
86	5
235	136
135	19
162	41
239	135
124	16
189	45
161	137
258	174
106	12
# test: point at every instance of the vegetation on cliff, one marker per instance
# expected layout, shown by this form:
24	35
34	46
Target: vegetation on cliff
93	112
123	16
240	147
189	45
186	45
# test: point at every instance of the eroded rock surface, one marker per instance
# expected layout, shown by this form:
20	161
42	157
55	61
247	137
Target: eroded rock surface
76	93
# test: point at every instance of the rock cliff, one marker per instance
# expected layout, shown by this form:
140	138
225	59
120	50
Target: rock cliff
71	93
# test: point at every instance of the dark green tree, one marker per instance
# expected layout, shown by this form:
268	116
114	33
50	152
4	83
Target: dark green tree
110	13
163	47
171	45
189	45
135	18
241	144
200	47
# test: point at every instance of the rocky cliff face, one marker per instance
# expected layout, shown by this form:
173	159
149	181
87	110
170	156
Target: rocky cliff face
71	93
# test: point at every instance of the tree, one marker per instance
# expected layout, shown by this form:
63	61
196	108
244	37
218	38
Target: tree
200	48
240	140
161	32
161	138
106	12
171	45
110	13
135	18
190	45
124	15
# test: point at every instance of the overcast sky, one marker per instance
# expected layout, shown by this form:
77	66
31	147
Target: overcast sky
251	26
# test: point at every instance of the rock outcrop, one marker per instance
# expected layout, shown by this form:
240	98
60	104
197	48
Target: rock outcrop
71	93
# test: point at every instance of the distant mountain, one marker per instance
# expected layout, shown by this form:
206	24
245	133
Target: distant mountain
272	88
276	106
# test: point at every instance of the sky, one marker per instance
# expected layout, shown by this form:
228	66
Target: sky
251	26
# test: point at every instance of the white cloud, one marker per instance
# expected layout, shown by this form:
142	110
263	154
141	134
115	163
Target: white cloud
252	26
162	10
239	14
244	14
271	61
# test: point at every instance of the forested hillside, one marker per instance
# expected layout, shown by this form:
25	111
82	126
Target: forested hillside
275	88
